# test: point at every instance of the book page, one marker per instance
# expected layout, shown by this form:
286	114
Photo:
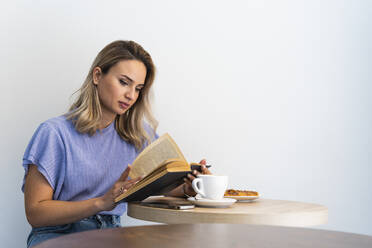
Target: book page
154	155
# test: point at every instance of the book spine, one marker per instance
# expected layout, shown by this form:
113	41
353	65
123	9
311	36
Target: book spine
162	185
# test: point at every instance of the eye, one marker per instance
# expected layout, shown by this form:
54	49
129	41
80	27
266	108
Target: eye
122	82
138	89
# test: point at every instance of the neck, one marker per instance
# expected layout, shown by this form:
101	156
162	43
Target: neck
107	119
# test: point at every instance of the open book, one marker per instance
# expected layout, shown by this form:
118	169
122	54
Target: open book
154	154
162	166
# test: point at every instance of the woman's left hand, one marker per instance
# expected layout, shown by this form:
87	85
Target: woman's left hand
187	187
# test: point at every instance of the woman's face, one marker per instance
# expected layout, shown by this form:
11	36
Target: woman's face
119	88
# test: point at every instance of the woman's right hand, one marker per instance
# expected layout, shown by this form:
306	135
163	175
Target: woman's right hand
42	210
107	201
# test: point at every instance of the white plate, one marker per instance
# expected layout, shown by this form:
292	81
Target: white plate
201	202
243	198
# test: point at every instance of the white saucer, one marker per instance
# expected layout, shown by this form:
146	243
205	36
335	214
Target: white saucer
243	198
202	202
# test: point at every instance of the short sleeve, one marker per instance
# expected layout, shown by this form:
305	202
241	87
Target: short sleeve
46	151
155	137
150	131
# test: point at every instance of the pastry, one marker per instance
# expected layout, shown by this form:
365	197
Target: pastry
234	192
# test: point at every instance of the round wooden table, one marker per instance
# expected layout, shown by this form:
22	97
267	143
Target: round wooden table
261	211
209	235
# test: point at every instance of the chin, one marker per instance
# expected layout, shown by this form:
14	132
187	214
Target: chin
121	111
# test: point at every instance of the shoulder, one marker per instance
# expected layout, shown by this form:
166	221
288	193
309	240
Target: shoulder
58	124
49	135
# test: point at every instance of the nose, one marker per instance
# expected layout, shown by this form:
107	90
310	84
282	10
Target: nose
130	93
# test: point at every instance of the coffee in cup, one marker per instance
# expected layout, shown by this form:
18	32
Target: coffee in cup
210	186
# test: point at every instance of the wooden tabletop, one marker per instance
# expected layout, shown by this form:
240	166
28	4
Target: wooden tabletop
209	235
261	211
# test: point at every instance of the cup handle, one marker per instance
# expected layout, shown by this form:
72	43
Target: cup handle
196	188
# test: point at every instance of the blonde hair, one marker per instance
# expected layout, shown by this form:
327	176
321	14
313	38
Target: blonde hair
86	111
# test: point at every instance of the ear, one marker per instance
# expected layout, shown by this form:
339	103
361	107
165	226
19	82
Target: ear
97	74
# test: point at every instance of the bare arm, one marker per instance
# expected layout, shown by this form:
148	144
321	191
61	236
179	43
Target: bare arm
41	210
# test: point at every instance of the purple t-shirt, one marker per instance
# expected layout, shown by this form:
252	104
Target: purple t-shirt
78	166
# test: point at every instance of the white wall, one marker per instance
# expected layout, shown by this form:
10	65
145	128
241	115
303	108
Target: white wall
275	94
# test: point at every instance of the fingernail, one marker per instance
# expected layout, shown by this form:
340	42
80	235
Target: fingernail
194	172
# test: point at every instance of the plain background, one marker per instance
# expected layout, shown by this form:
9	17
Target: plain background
275	94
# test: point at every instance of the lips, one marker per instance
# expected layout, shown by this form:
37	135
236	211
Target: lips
123	105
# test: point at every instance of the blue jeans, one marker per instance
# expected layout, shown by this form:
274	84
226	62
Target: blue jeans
99	221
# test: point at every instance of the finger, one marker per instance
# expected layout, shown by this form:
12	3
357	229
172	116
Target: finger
195	173
138	178
125	174
134	180
205	170
126	187
203	161
129	183
190	177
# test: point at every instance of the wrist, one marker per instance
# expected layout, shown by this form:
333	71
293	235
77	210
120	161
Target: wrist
99	204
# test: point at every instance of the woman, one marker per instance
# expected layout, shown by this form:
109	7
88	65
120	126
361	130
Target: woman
73	161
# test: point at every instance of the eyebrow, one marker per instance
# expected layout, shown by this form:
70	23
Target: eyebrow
131	80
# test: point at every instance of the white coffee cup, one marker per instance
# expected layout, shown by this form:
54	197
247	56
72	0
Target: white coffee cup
210	186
